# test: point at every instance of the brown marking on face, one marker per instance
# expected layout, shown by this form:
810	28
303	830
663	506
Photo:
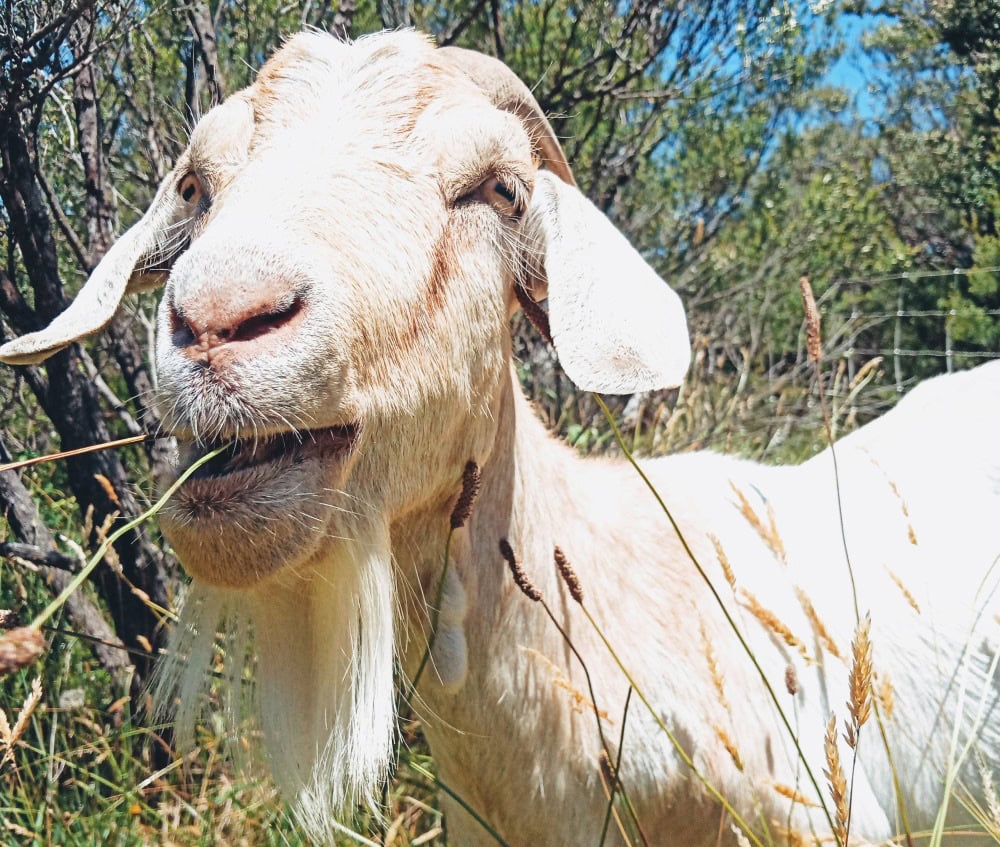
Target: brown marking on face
401	337
463	227
444	258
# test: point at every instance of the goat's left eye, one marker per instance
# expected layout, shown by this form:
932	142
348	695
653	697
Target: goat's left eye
191	189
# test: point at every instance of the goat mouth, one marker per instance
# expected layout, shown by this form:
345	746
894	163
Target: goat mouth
243	454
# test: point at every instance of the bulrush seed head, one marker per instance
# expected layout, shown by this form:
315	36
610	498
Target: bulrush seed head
520	577
568	575
470	490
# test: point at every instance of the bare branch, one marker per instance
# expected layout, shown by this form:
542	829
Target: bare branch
343	21
203	30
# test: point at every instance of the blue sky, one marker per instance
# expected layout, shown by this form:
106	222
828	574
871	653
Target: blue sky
854	71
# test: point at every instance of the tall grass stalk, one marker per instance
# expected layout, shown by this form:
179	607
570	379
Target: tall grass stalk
433	778
435	619
814	347
88	568
615	776
78	451
616	781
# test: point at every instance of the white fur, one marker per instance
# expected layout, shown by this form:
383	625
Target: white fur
322	655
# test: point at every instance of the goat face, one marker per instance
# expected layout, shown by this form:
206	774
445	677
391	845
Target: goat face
342	307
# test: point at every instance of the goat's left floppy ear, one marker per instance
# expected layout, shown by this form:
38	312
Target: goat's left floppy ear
119	272
616	326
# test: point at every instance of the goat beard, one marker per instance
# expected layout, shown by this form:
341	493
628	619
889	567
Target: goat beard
322	637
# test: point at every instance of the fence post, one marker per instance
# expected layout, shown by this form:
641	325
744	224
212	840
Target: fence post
947	345
897	339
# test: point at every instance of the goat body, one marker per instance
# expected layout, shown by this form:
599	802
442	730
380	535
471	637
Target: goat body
358	356
514	738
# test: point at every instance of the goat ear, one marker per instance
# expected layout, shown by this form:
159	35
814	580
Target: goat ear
118	273
616	326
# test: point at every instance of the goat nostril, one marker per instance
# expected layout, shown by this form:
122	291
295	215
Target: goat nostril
180	329
200	339
260	325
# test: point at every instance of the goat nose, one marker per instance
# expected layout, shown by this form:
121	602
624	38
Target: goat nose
207	335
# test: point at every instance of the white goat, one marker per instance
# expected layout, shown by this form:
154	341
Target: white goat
363	221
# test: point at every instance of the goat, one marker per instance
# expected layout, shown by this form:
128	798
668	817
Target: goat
356	230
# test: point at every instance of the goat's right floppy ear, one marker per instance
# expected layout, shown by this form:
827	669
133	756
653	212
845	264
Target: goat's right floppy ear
120	271
616	326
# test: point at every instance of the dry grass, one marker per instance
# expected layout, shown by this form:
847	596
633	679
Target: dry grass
727	568
793	795
206	804
730	746
897	580
822	633
578	699
885	695
992	817
860	703
836	780
770	621
767	531
11	735
718	681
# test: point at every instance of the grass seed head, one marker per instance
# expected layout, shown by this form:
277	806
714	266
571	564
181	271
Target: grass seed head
904	590
471	479
791	680
821	631
990	796
730	746
713	668
793	795
850	734
568	575
814	345
520	577
771	621
886	695
727	568
20	648
768	532
860	704
9	736
834	774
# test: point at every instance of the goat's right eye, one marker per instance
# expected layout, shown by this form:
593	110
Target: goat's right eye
503	195
190	189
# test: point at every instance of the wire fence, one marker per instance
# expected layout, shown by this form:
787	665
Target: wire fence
947	355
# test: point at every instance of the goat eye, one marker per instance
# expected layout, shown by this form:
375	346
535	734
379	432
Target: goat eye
500	195
504	192
190	189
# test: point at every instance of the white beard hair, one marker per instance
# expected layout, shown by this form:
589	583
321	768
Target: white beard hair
323	640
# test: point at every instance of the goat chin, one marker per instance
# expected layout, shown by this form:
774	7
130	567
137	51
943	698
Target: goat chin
323	692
